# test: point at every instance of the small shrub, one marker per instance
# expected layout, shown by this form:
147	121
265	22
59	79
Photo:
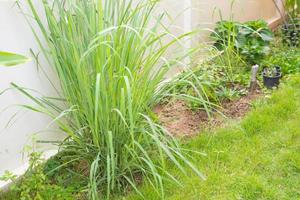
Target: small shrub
287	58
34	185
216	85
225	34
251	39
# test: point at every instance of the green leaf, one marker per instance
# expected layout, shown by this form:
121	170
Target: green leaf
11	59
266	35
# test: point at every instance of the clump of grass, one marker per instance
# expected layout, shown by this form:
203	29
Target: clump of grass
110	63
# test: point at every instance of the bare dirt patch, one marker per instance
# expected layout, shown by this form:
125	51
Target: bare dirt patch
180	120
238	108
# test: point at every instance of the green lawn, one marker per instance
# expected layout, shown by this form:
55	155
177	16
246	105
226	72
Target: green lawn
257	158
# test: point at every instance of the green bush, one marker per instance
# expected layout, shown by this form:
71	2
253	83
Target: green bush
34	185
216	84
286	57
251	39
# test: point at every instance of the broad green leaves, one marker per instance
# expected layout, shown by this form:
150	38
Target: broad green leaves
11	59
251	39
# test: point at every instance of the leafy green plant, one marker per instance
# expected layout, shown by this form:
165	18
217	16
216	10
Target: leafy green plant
193	83
111	67
11	59
217	85
225	34
34	185
8	176
286	57
230	94
270	72
251	40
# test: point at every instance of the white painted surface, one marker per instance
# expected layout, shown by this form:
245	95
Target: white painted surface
16	36
187	24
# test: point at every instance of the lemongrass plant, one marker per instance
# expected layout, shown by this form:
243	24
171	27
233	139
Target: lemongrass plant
109	57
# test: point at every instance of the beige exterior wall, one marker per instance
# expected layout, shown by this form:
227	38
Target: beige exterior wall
242	10
206	13
191	14
188	15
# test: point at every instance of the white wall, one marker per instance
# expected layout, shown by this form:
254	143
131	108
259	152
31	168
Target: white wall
16	36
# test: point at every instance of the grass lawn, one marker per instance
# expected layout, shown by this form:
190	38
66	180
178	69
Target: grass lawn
256	158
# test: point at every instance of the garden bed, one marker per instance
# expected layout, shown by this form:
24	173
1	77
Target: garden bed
180	120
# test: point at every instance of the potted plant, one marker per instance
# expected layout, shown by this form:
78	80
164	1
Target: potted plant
291	27
272	76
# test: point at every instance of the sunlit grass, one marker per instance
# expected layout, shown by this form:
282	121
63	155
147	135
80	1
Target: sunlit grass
257	158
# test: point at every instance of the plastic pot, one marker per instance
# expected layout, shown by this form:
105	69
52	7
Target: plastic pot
272	81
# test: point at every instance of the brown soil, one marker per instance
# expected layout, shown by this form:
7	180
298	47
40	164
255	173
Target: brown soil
239	108
180	120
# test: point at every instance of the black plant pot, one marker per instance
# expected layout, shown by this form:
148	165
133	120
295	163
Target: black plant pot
272	81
